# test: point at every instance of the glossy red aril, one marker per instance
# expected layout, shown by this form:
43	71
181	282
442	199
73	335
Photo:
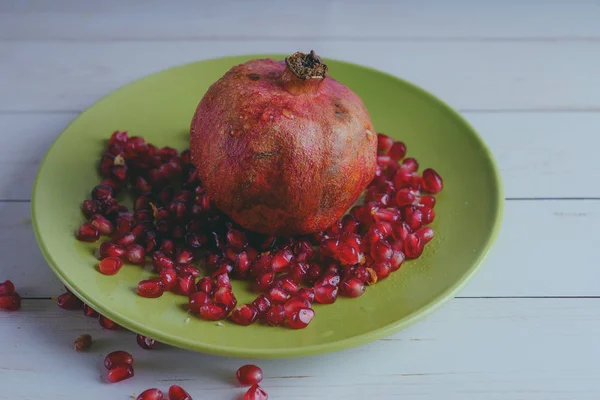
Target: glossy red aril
104	226
325	294
275	316
169	278
88	232
10	302
428	201
307	294
405	197
197	300
213	312
119	373
261	304
89	311
384	143
110	265
244	315
206	285
184	257
413	246
135	254
381	251
160	261
249	374
108	249
281	260
117	358
295	303
145	342
7	287
151	394
278	295
300	318
410	165
352	287
68	301
185	285
428	215
224	295
382	269
255	393
150	288
396	260
236	239
397	151
222	280
107	323
347	254
432	181
425	233
178	393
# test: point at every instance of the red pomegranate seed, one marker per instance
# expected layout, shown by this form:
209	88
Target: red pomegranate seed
307	294
287	284
410	165
107	323
255	393
387	215
278	295
300	318
405	197
326	294
184	270
295	303
102	192
7	287
167	247
381	251
117	358
104	226
178	393
10	302
145	342
222	281
150	394
150	288
124	239
261	304
361	274
195	240
89	311
329	247
425	233
432	181
236	239
281	260
118	137
352	287
298	271
330	278
249	375
396	260
242	265
225	267
348	255
413	217
184	257
275	316
185	285
428	215
88	232
68	301
168	277
119	373
398	151
89	208
384	143
135	254
110	265
197	300
428	201
111	250
213	312
382	269
224	296
401	230
206	285
262	265
124	222
161	261
244	315
413	246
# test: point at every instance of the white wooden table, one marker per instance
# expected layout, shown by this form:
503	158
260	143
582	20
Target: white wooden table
528	78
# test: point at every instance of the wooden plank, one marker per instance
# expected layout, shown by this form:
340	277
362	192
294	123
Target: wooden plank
545	248
552	76
539	154
352	20
534	349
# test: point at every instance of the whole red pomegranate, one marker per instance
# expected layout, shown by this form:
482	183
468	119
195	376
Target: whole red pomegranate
282	148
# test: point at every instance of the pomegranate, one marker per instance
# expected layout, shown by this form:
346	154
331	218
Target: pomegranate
282	148
178	393
249	374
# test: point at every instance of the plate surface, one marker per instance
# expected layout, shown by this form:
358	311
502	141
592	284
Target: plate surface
159	108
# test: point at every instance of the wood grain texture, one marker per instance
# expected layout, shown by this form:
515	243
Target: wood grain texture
543	249
551	76
315	19
533	349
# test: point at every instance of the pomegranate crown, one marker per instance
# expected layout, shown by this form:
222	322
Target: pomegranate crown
306	66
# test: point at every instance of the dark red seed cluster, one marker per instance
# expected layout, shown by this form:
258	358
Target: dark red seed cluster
174	225
9	298
119	365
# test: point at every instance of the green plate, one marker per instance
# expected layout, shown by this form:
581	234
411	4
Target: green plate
159	108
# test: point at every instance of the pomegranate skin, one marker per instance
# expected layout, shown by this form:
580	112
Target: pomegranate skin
280	152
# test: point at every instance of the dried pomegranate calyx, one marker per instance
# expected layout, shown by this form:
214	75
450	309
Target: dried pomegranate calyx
306	66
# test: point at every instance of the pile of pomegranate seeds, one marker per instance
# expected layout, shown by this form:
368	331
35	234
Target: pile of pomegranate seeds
174	224
9	298
119	365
